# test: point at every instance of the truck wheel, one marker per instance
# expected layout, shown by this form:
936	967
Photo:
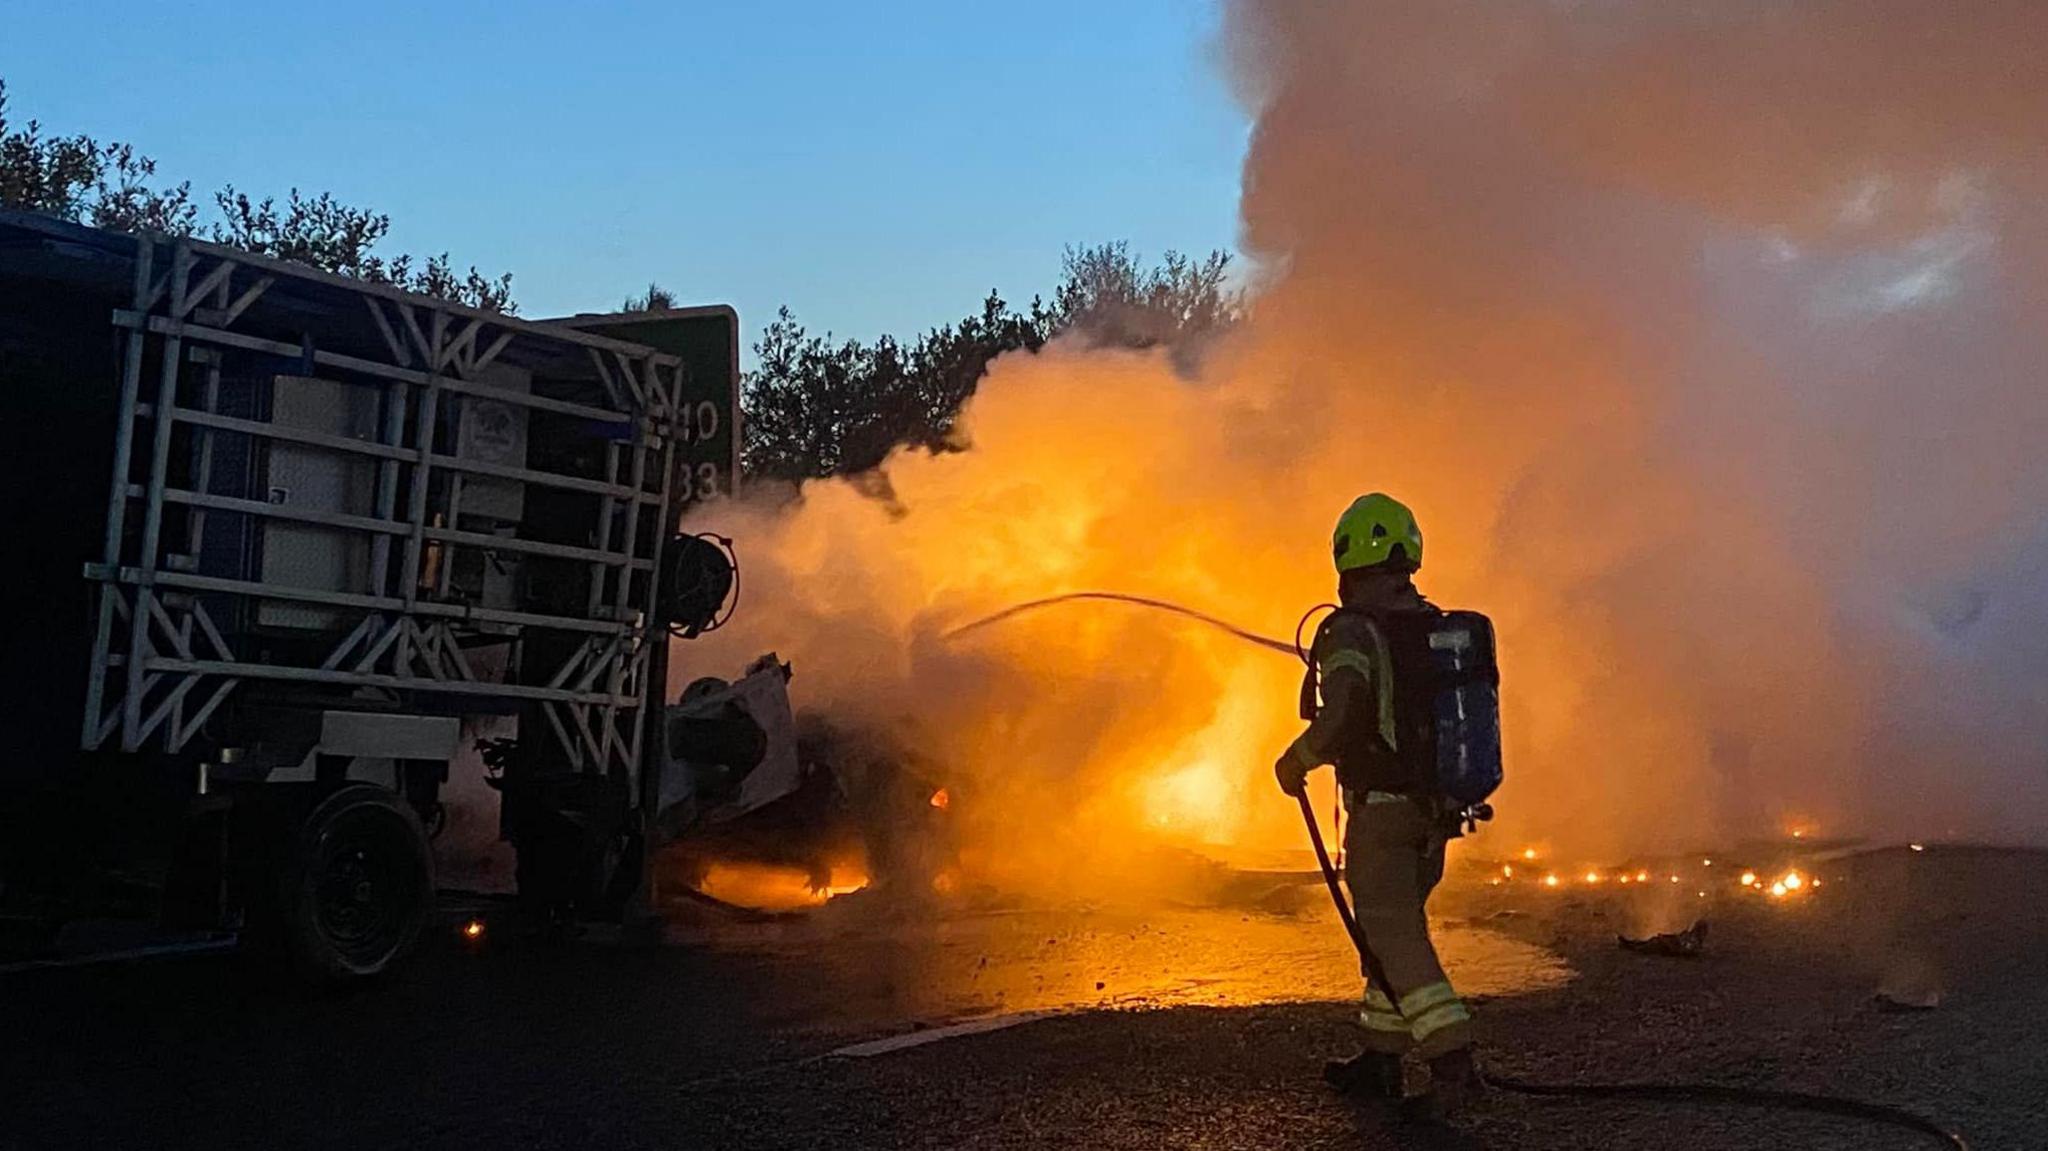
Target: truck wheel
359	885
621	863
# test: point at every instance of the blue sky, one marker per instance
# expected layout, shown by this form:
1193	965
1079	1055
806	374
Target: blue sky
877	166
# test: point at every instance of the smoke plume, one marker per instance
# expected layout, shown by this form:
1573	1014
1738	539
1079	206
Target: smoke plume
1706	342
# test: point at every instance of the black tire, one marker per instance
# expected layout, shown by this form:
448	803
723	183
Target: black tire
359	885
621	864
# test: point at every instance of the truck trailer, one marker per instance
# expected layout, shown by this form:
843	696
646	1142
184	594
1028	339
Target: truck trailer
282	543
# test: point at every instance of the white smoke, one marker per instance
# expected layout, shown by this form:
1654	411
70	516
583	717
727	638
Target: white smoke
1706	342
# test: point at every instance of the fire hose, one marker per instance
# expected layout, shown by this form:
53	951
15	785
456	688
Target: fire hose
1652	1092
1222	625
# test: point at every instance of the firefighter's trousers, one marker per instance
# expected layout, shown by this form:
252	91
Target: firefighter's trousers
1393	858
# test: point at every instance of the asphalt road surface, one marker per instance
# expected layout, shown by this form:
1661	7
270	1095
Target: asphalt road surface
1077	1027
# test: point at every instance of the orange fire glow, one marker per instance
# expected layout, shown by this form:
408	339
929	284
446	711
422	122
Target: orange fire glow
1193	801
770	887
941	799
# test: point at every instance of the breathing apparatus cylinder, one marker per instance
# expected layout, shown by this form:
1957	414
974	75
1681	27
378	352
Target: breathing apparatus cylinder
1464	706
1446	699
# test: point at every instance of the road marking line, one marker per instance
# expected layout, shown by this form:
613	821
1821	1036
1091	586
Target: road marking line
910	1039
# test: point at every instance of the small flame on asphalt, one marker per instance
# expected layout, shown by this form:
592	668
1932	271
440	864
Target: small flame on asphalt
1788	883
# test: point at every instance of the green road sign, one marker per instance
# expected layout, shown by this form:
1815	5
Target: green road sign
707	340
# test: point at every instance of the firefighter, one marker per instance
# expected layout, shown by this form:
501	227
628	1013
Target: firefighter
1394	844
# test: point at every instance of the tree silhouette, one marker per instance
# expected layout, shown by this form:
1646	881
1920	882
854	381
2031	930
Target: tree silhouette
324	233
818	406
1107	295
655	299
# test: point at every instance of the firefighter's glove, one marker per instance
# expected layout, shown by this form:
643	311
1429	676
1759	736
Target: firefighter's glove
1291	773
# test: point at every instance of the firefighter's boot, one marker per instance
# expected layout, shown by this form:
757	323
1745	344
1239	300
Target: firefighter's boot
1454	1083
1366	1075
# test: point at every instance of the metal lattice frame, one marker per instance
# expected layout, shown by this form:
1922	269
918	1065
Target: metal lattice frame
160	664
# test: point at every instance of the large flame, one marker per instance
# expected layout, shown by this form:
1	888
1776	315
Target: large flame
1663	357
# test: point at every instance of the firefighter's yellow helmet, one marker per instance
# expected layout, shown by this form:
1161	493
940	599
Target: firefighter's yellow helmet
1377	530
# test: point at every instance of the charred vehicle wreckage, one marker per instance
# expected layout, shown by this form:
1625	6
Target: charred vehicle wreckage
764	807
